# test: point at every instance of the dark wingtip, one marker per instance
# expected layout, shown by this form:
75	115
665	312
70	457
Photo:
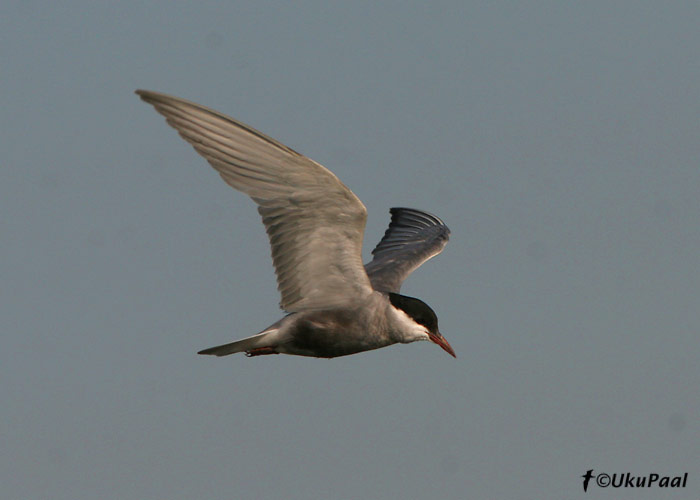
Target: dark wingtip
146	95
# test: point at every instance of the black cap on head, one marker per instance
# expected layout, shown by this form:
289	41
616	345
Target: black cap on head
418	310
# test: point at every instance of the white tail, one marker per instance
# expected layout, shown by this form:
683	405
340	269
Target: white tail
260	340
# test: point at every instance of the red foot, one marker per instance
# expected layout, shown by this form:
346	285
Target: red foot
259	351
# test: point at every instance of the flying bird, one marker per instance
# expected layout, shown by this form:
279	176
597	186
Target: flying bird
336	305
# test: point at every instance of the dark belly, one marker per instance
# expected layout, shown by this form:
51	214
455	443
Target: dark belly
327	335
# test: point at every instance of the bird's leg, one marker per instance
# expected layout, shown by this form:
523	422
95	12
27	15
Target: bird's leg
259	351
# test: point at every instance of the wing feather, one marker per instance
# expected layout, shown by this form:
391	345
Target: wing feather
314	222
412	238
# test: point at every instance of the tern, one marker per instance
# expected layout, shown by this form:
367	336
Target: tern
336	305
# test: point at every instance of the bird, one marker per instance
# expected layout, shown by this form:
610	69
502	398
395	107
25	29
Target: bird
335	305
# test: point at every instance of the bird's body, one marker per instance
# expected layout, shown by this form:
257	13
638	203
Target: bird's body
329	333
315	224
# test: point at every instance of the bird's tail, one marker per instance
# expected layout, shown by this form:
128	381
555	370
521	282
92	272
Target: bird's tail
261	340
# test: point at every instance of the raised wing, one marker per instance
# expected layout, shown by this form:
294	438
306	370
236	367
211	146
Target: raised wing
412	238
314	222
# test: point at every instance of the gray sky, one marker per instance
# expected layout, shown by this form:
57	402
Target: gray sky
558	140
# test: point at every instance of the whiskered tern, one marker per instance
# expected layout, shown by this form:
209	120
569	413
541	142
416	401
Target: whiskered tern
336	306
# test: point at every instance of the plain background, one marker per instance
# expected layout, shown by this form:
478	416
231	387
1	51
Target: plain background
558	140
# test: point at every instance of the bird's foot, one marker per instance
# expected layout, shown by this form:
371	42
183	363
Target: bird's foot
260	351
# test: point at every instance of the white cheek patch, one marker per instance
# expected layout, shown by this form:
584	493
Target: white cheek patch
409	329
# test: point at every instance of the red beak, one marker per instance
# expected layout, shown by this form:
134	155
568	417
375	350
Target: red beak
440	340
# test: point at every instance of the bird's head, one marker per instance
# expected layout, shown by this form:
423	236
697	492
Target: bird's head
422	317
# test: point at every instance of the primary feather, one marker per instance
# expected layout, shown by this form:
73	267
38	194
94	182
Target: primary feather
413	237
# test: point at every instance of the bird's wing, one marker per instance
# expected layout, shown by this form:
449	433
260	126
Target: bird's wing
412	238
314	222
